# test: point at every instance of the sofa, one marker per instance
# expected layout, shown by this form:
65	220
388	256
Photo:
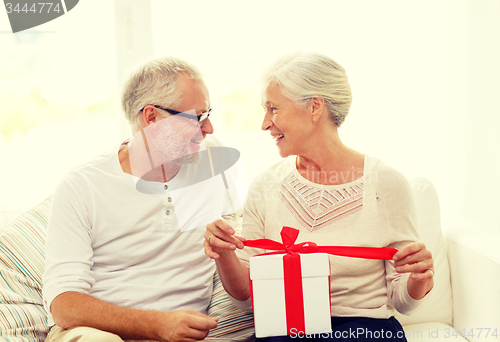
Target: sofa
464	304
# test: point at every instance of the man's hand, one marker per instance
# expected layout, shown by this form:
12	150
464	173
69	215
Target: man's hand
74	309
417	259
185	326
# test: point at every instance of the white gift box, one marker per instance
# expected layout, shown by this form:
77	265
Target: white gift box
268	295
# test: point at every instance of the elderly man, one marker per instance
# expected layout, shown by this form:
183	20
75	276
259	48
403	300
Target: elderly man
124	255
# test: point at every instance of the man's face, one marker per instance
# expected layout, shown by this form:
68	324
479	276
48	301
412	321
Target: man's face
178	139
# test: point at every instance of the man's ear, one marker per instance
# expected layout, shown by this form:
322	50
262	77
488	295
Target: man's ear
149	115
316	105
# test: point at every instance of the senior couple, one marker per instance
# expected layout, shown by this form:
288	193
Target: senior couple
133	234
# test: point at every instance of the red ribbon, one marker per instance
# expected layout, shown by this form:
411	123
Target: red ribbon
293	273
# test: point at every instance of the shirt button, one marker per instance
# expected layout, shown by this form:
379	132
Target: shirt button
166	186
167	212
170	199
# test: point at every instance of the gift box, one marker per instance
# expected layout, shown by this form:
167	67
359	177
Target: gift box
291	290
283	305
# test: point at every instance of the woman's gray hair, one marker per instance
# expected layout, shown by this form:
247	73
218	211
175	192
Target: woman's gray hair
303	75
155	83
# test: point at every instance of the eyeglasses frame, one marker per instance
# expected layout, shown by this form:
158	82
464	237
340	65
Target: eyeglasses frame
201	119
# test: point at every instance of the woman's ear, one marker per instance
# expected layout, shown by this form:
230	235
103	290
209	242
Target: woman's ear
317	105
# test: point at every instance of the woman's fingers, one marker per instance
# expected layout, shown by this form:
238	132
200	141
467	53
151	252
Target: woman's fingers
427	275
224	236
407	251
419	267
220	237
416	259
223	226
209	251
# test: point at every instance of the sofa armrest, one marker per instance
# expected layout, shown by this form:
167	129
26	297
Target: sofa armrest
474	260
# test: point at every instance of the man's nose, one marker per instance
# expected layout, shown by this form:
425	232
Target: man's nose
207	127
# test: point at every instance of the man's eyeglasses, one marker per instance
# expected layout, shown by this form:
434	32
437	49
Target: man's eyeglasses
200	119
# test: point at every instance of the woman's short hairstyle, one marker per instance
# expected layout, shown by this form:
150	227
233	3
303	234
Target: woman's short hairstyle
155	83
303	75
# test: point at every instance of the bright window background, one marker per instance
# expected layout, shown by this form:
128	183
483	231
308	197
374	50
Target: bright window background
424	75
57	100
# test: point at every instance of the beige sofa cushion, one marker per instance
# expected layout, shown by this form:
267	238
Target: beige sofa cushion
438	305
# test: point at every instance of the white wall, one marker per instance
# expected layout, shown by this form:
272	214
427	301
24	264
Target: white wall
473	103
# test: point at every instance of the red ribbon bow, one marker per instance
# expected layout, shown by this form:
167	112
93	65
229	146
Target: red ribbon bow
292	269
289	236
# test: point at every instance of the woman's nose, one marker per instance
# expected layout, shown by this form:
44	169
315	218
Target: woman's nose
266	123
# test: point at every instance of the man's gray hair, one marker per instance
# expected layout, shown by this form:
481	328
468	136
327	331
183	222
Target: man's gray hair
155	83
303	75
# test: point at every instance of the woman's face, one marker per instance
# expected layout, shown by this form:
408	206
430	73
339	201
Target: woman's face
286	122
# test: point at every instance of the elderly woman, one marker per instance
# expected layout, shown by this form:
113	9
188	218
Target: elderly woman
335	196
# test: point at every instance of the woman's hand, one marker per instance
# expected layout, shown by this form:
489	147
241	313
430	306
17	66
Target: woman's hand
220	238
417	259
220	244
